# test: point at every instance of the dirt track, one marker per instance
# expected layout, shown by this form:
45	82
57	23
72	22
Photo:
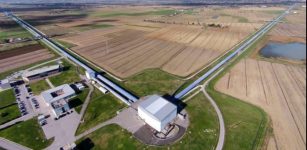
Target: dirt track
280	90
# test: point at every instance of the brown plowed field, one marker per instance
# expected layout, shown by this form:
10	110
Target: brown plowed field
292	30
279	89
23	56
178	50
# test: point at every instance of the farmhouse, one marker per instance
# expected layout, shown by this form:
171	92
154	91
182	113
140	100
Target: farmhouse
41	72
58	98
157	112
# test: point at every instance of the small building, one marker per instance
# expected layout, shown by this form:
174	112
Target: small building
157	112
41	72
5	84
80	86
58	98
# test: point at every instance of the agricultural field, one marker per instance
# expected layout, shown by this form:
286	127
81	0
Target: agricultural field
279	89
293	27
177	49
23	56
126	40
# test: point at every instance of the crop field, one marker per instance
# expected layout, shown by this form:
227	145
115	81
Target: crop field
136	42
279	89
23	56
127	40
292	30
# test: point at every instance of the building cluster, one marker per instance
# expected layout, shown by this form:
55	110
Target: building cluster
58	98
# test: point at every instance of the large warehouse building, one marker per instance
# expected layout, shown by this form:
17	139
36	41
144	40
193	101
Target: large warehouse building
58	98
41	72
157	112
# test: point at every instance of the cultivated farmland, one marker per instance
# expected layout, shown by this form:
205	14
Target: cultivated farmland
179	50
19	57
279	89
142	40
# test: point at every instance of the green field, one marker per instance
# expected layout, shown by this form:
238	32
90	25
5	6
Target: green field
101	108
27	133
7	98
202	132
39	86
9	113
109	138
152	81
16	33
77	101
69	75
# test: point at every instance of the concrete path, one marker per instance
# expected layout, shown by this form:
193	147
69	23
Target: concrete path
49	83
91	130
221	140
20	119
10	145
87	100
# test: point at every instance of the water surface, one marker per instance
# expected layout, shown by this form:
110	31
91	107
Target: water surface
294	51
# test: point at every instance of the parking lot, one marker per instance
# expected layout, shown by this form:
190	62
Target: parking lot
23	96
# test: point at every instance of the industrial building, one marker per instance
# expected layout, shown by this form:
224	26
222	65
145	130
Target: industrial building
58	98
157	112
41	72
4	84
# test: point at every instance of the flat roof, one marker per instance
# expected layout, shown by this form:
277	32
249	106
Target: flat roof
158	106
57	93
40	70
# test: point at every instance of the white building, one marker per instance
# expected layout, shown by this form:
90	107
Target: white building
58	98
40	72
157	112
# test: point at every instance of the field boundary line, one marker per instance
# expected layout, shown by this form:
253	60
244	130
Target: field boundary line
286	100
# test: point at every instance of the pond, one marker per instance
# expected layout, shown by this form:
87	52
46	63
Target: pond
294	51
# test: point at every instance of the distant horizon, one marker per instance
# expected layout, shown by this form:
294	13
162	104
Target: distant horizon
151	1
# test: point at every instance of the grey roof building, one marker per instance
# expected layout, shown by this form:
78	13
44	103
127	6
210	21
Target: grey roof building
157	112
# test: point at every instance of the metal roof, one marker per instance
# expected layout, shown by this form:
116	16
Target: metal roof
64	90
40	70
158	107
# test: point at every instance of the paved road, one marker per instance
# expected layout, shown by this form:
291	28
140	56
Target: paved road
222	133
20	119
87	100
49	83
10	145
91	130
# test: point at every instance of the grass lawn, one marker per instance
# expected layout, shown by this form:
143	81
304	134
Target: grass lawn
9	113
69	75
152	81
39	86
246	125
109	137
77	101
203	128
7	97
16	33
27	133
101	108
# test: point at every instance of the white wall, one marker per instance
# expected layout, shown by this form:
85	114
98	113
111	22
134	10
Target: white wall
149	119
